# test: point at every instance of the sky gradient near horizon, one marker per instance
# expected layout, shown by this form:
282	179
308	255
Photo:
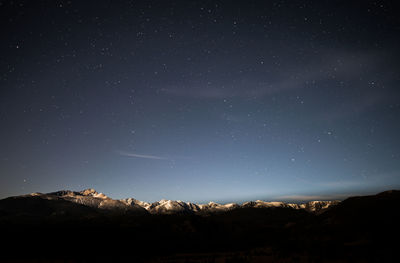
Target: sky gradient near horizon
200	100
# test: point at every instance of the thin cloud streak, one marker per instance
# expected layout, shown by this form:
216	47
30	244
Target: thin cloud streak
143	156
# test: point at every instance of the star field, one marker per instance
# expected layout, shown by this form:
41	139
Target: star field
200	100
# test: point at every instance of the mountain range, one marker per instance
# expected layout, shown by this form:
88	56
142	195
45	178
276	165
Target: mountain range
92	198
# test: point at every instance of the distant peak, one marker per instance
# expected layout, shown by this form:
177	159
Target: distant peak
89	191
36	194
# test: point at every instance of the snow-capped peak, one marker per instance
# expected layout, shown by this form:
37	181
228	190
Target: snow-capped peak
89	192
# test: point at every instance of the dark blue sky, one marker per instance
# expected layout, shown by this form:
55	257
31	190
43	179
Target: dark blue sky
200	100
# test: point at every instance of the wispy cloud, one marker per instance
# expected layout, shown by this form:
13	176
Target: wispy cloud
143	156
333	64
247	88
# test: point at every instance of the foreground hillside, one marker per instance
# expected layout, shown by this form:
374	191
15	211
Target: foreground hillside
51	227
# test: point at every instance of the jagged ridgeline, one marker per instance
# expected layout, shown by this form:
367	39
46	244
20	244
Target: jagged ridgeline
91	198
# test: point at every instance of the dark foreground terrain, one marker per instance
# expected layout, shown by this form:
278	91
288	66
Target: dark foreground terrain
359	229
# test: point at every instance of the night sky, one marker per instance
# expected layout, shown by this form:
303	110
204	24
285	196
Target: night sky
200	100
